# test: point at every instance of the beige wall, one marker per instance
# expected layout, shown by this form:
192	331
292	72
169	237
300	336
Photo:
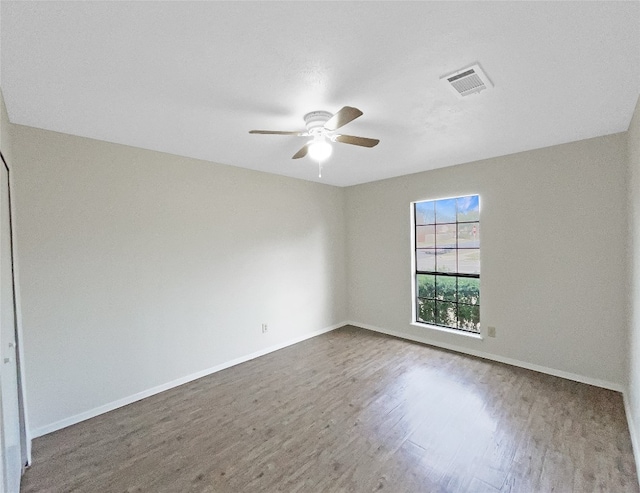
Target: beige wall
553	240
141	268
633	394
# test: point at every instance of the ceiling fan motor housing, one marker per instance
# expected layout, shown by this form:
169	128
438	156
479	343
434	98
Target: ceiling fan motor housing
315	121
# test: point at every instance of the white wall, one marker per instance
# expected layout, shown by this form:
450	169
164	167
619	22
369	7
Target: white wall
140	268
633	391
553	225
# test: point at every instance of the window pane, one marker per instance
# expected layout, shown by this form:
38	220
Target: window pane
446	211
469	261
469	235
446	260
469	317
468	291
445	235
426	286
425	212
425	236
426	311
426	260
469	208
446	314
446	288
447	244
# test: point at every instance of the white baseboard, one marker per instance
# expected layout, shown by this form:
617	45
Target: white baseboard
63	423
43	430
632	429
494	357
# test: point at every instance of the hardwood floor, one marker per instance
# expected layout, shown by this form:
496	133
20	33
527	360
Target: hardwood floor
351	411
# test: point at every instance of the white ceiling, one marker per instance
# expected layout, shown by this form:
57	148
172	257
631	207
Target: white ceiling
192	78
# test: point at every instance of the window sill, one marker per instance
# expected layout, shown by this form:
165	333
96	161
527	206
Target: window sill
448	331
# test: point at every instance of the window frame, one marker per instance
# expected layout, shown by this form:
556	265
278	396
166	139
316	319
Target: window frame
455	275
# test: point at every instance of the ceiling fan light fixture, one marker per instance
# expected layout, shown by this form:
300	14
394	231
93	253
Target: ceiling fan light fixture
319	150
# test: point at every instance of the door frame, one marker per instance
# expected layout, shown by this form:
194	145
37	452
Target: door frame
25	439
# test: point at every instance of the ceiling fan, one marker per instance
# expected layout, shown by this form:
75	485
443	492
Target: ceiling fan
321	127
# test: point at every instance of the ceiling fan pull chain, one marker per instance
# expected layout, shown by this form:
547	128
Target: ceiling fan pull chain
319	169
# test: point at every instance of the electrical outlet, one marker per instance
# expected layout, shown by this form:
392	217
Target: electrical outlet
265	328
491	331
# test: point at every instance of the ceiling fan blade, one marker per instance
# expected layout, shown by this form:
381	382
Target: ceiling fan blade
277	132
302	152
342	117
356	141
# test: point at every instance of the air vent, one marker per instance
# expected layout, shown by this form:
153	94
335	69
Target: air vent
469	80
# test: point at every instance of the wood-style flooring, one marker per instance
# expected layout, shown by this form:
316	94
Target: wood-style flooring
351	411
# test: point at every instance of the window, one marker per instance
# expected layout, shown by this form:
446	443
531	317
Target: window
447	262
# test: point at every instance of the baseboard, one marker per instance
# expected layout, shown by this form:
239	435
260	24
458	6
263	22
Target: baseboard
632	429
494	357
37	432
63	423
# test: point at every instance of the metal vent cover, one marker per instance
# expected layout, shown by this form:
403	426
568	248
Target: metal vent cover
466	81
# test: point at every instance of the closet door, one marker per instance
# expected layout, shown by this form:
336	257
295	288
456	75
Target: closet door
10	416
